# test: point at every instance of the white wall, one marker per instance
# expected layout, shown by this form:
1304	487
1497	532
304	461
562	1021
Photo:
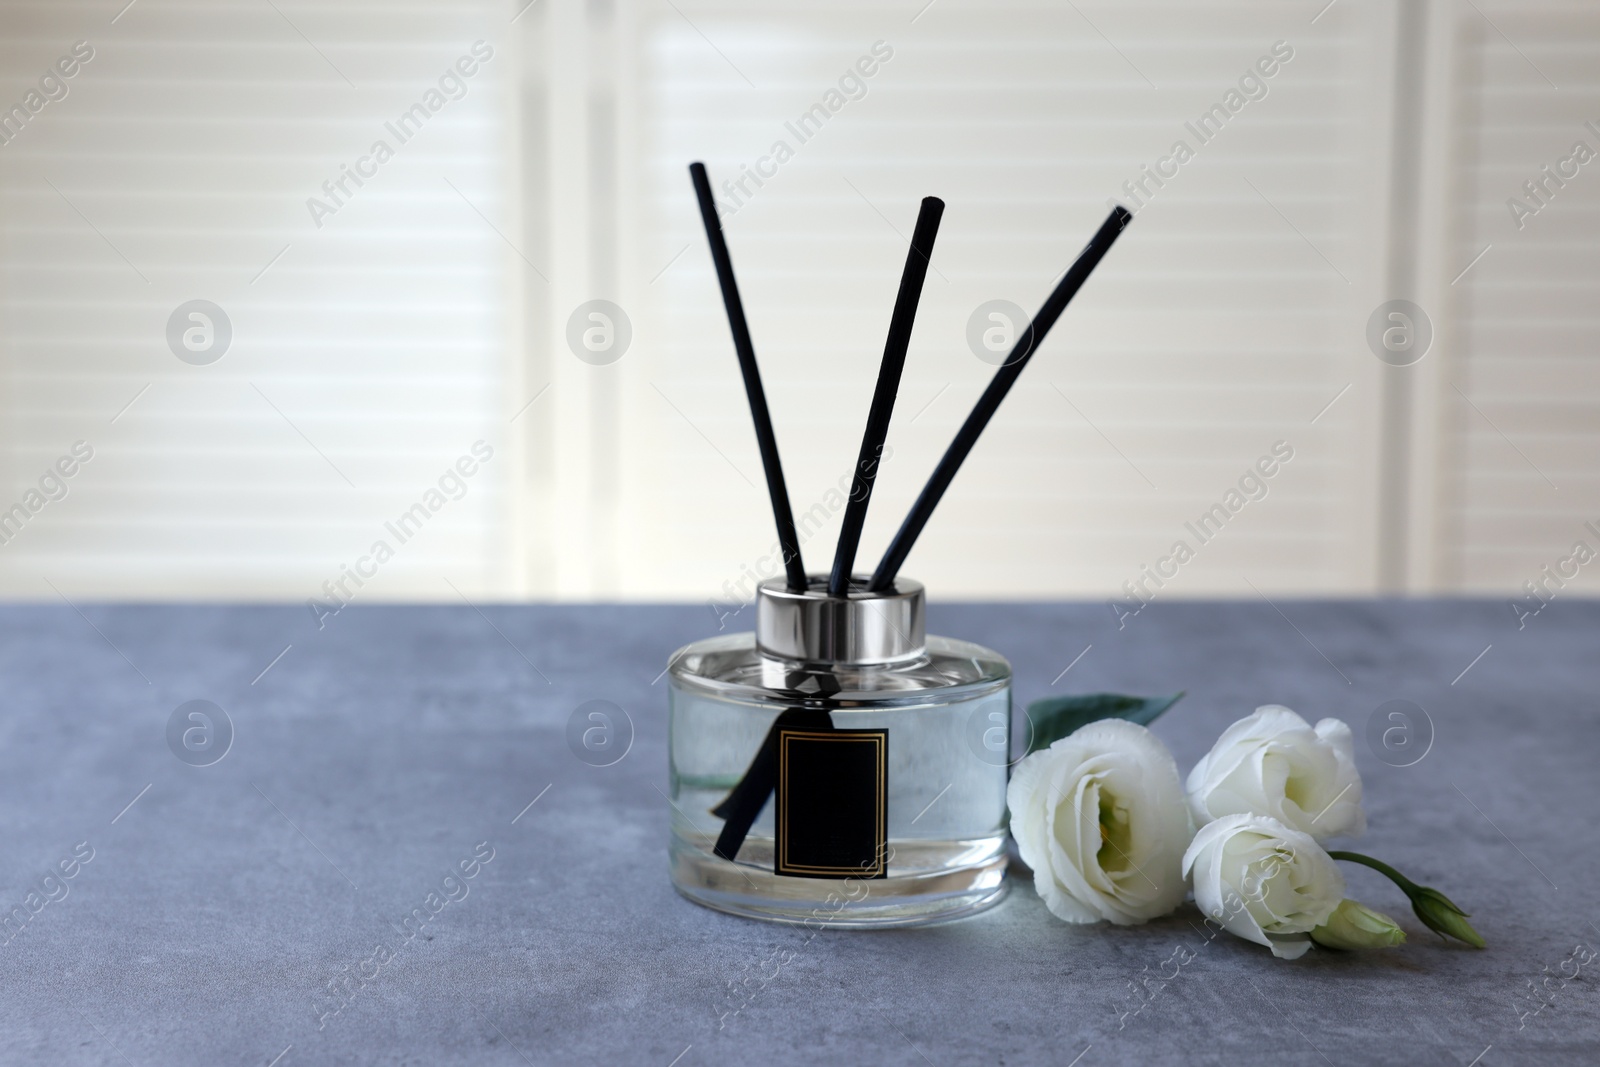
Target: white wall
425	315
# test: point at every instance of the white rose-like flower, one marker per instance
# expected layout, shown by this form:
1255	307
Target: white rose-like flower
1273	763
1100	818
1263	881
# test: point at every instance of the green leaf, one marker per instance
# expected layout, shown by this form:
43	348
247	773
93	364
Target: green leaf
1055	717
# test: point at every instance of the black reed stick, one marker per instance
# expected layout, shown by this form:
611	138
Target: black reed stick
788	537
989	402
883	397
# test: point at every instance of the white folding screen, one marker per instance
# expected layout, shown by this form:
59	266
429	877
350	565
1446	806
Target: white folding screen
1335	157
1521	403
1225	321
215	152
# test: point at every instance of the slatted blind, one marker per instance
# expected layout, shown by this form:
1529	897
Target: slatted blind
368	353
1226	319
1524	390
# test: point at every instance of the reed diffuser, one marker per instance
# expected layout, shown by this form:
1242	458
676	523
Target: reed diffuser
839	765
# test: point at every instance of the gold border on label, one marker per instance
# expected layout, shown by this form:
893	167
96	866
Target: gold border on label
879	740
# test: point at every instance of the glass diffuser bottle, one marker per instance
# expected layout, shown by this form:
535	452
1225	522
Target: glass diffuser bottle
838	766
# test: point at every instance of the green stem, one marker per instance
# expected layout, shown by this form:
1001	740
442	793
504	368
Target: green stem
1381	867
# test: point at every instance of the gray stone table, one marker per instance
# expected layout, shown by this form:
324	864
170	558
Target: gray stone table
376	755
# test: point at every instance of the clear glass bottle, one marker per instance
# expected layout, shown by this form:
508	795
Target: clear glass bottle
837	766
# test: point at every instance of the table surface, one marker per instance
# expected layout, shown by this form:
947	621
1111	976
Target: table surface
376	754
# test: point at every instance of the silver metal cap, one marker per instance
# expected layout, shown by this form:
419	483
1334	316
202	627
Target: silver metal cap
861	628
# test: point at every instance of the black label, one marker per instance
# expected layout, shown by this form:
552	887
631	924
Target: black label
833	803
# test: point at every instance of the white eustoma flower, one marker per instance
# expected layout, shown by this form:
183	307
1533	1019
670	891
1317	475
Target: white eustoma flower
1263	881
1100	818
1273	763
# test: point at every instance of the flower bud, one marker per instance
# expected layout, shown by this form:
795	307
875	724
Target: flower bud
1353	926
1440	915
1437	912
